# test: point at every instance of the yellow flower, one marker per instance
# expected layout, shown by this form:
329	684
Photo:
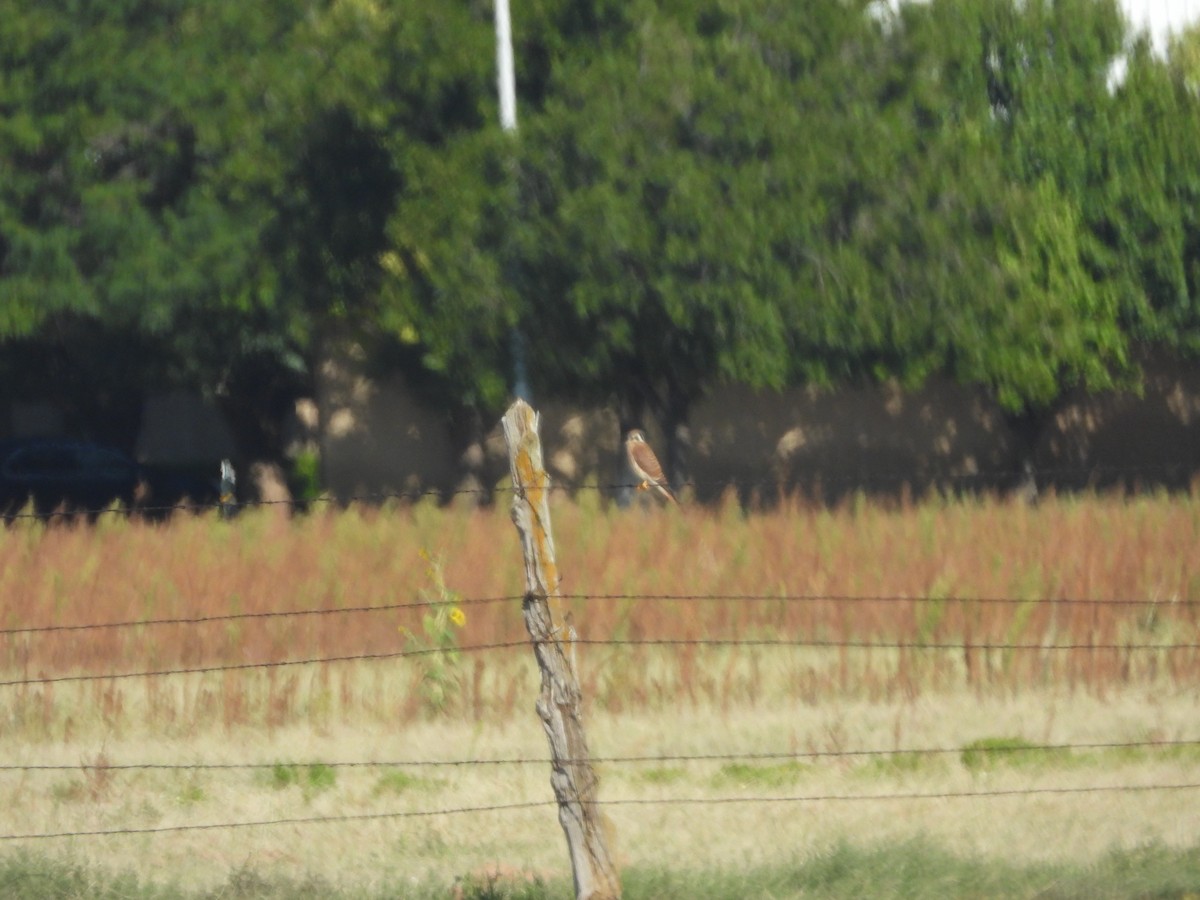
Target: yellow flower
458	617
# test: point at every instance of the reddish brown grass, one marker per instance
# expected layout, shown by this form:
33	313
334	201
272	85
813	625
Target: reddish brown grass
930	569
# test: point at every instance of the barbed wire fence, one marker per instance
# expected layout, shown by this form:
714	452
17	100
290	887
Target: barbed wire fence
628	801
1148	746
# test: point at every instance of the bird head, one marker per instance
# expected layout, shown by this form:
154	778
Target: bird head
635	437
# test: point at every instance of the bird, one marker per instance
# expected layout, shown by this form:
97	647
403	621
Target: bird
645	465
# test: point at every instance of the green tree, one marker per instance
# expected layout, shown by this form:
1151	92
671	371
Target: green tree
134	141
702	191
1146	215
444	302
968	251
660	182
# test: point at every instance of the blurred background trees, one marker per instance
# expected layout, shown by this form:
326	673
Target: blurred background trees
212	195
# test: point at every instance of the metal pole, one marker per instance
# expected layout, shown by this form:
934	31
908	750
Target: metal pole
507	86
507	81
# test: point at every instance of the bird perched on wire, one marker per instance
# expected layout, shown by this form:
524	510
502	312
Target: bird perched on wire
645	465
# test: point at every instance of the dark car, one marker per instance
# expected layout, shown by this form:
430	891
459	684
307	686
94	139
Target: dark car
77	476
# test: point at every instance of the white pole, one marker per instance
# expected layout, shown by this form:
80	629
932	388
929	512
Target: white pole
504	67
507	83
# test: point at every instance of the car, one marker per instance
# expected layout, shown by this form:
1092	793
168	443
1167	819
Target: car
78	476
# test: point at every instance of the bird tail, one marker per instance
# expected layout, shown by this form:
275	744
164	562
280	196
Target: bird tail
665	490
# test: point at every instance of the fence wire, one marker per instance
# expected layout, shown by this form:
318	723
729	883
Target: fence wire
630	801
644	759
762	643
784	598
269	614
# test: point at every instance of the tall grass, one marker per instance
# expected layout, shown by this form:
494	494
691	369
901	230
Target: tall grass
907	576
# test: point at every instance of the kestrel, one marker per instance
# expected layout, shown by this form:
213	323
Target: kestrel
645	465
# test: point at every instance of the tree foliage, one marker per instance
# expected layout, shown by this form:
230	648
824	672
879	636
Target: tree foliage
757	191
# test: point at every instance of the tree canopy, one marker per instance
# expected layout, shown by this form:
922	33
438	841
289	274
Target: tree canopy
701	191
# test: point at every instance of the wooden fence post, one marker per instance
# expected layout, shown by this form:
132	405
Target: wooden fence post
559	701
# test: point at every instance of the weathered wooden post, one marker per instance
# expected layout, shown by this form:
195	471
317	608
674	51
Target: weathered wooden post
559	701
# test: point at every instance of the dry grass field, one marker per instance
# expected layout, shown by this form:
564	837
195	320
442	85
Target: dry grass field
954	627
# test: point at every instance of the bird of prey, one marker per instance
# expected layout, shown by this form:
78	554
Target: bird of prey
645	465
